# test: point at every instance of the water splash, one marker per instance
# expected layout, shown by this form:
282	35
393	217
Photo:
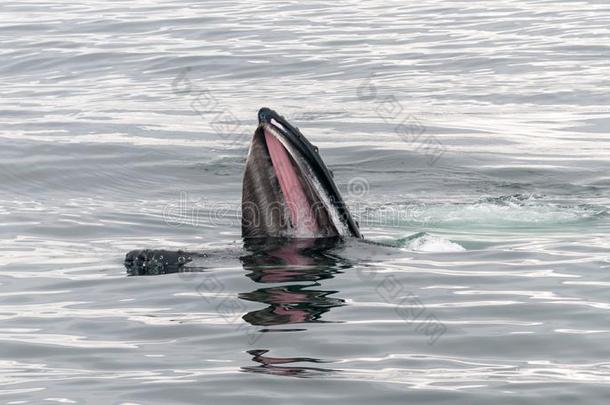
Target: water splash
424	242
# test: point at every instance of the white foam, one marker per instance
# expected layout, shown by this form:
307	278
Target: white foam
508	211
431	243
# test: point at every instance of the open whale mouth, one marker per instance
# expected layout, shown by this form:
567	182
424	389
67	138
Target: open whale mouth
287	189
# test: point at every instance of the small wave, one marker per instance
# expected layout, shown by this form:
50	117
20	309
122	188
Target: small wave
506	211
424	242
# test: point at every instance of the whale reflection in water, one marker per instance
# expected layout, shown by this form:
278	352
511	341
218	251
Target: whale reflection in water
304	262
277	365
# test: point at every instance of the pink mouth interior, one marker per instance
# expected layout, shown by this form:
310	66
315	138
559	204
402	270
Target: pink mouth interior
300	208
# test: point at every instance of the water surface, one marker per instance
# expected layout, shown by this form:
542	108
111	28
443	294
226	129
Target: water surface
471	135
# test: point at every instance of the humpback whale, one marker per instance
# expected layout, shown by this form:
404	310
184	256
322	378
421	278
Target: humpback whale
288	197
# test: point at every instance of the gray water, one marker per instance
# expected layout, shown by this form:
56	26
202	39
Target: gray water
471	135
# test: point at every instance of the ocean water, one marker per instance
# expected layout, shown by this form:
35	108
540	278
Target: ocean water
471	136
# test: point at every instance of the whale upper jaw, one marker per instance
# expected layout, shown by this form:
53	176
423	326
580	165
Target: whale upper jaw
287	190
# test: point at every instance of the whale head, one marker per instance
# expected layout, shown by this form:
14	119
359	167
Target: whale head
288	192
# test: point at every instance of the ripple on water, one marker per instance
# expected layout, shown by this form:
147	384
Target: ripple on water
125	128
